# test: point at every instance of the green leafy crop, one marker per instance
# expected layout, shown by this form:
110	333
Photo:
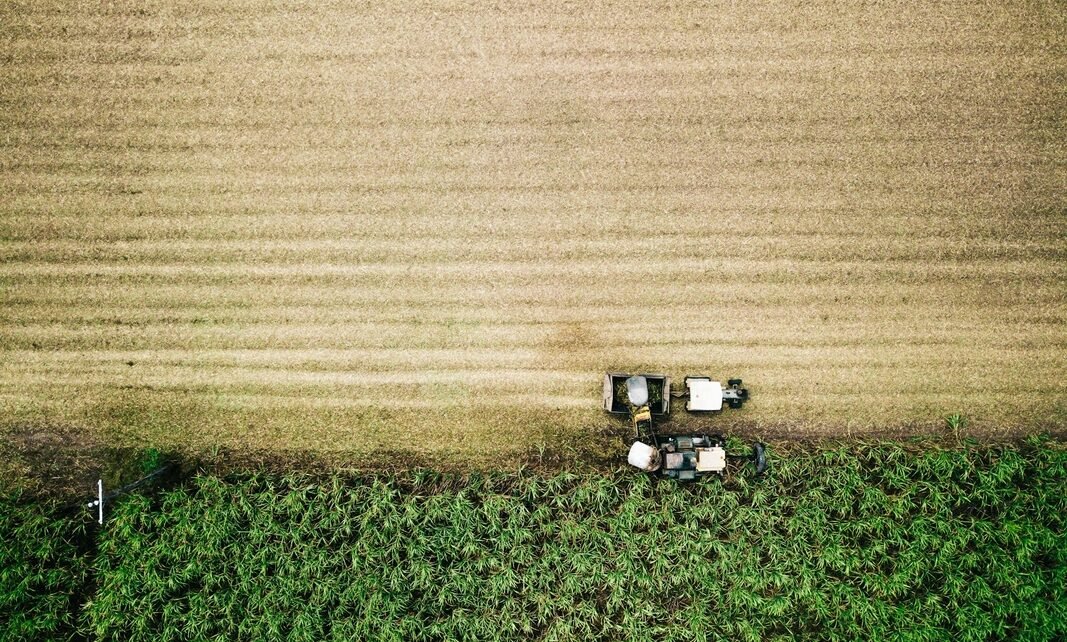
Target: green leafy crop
42	570
853	543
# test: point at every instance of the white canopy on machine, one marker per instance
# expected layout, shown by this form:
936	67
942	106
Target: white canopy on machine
643	456
637	390
704	395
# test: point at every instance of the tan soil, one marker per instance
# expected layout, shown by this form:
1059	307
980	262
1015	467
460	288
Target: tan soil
333	226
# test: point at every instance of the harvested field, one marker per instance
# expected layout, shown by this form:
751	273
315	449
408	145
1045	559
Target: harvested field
319	226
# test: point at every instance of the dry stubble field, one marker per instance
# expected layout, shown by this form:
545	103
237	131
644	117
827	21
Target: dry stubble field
336	226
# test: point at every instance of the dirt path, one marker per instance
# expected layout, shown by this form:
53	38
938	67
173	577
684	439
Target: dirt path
314	226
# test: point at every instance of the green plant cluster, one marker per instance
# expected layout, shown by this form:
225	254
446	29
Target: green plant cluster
864	544
44	564
853	543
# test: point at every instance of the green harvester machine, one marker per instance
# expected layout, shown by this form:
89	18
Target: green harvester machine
647	397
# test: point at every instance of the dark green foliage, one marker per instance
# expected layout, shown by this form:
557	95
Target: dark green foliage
850	544
42	571
152	459
962	545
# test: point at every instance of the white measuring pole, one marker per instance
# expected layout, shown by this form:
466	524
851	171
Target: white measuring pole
99	503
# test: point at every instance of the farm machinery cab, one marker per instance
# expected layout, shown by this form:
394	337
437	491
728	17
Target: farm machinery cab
682	457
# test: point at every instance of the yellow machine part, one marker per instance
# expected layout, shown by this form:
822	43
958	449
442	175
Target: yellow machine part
642	415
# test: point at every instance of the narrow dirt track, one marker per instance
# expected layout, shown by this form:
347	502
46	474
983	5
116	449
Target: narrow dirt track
314	225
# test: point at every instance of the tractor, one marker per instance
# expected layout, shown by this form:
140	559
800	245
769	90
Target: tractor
682	457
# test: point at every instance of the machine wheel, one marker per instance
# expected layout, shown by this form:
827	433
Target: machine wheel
759	457
735	403
733	382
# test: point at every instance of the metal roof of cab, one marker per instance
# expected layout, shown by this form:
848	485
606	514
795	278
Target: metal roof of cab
705	395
